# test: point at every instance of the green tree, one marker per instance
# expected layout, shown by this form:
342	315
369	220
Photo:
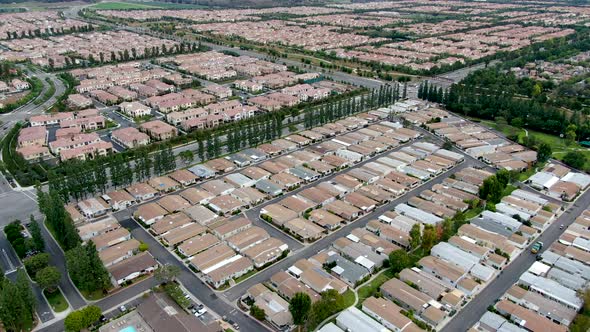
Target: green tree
86	269
448	229
330	303
492	189
168	159
74	322
537	90
544	152
36	263
201	150
429	237
299	307
399	260
187	156
14	313
143	246
570	133
504	176
82	319
447	145
575	159
167	273
48	278
257	312
415	236
52	206
517	122
26	292
35	231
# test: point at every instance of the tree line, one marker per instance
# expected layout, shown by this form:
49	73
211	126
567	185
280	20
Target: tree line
17	302
82	261
72	60
385	95
76	179
484	94
50	31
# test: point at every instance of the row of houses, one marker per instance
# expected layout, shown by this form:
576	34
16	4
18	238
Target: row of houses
192	210
349	260
71	139
215	66
359	191
15	85
139	192
89	119
473	138
454	272
559	181
289	96
273	81
441	283
171	102
123	74
211	115
517	209
117	250
220	249
546	296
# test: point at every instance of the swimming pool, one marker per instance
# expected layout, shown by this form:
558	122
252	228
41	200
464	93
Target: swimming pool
128	329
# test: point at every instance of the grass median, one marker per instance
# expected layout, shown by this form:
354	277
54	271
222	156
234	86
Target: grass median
56	300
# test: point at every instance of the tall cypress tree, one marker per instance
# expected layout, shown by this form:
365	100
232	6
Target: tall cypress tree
25	292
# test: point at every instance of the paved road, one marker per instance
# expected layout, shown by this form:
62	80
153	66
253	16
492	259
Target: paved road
10	263
108	304
25	111
201	291
42	307
222	302
234	293
57	258
471	313
335	75
17	204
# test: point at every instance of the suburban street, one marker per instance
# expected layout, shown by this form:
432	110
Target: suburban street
223	302
471	313
334	75
20	203
25	111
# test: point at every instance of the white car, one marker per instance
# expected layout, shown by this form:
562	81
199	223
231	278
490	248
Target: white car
201	312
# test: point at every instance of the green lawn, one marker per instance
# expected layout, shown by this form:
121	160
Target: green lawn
508	190
92	296
56	300
558	144
349	298
372	287
472	213
245	276
529	172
